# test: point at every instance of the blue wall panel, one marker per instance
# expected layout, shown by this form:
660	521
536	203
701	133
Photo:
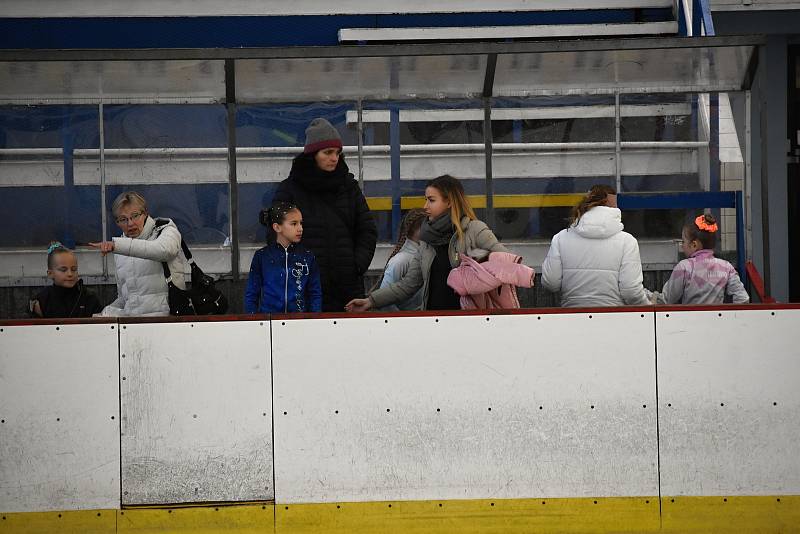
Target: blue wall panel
251	31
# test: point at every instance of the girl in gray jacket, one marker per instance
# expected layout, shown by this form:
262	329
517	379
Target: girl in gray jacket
451	230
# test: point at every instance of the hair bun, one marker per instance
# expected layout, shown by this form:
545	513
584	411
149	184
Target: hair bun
706	223
53	246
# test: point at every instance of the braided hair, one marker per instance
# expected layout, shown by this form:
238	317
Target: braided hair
411	223
409	226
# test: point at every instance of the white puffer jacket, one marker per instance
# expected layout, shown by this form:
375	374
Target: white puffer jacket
141	288
595	263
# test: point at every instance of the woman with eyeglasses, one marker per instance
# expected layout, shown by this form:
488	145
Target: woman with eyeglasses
138	253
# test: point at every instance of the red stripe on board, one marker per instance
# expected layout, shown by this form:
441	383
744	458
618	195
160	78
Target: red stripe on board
438	313
32	322
730	307
456	313
195	318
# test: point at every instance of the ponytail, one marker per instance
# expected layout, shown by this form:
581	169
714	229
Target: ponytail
597	196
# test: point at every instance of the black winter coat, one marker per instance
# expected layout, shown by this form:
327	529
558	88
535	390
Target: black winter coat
337	226
61	302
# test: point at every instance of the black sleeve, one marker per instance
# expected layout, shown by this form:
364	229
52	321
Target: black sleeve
366	234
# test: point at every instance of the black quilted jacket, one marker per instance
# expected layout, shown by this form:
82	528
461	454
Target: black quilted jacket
337	226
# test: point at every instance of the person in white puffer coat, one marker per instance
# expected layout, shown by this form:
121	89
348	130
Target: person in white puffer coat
593	262
141	287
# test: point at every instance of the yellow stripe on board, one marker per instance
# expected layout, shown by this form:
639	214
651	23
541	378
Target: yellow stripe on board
248	519
731	514
72	522
772	514
473	516
479	201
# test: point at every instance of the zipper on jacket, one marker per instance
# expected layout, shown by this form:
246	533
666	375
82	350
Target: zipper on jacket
286	282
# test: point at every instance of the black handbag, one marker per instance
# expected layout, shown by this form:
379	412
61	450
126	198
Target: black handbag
202	299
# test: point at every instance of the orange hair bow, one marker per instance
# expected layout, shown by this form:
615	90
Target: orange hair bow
703	225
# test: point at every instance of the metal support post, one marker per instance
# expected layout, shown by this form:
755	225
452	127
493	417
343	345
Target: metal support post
617	144
740	231
360	130
67	237
230	107
394	152
488	152
103	202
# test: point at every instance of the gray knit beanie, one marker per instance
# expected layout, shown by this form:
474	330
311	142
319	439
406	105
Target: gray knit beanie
321	134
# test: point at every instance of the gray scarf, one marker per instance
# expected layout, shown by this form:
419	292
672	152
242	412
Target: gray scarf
438	231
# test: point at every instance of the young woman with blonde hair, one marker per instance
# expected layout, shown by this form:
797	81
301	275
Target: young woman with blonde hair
450	231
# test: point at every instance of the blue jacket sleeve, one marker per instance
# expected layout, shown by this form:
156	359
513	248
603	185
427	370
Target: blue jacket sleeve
254	282
314	287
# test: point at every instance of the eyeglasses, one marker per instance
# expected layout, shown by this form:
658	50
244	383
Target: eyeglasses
124	220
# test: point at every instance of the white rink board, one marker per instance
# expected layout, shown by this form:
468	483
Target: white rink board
59	406
729	402
196	412
413	396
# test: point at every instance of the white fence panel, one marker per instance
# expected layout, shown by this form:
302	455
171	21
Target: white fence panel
464	407
196	412
729	402
59	417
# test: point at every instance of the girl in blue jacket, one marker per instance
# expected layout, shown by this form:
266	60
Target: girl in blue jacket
284	276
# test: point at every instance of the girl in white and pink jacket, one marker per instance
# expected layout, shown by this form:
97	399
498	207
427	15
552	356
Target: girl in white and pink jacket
701	278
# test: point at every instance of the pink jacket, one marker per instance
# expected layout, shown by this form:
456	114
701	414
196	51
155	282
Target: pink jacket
491	284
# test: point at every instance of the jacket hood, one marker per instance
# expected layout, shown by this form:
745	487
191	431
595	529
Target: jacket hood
600	222
410	246
147	228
